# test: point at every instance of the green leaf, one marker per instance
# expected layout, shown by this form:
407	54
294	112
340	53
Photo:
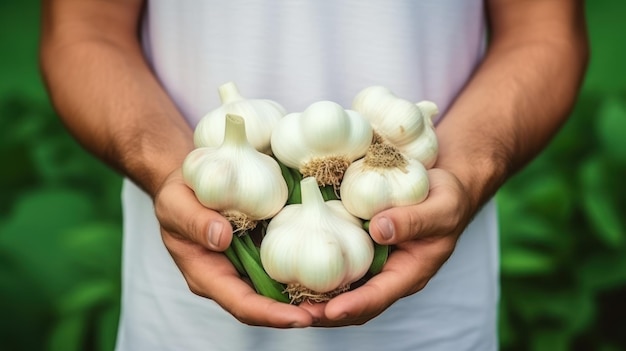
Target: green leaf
603	271
611	128
564	307
530	241
107	328
549	196
25	309
87	296
69	334
90	245
507	333
553	340
599	204
574	139
77	312
520	261
45	211
33	230
56	240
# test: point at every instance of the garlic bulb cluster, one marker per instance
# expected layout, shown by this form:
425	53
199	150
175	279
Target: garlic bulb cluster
254	162
317	248
321	141
235	179
404	124
383	179
261	116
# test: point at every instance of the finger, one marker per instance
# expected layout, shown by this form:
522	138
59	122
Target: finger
407	271
180	213
210	274
317	311
376	295
247	306
444	211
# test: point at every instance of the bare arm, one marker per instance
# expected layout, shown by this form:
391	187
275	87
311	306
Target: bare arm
520	95
104	91
107	96
516	100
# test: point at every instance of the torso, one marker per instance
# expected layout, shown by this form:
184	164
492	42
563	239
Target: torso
296	53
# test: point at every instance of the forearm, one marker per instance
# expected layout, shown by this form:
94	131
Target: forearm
518	98
107	96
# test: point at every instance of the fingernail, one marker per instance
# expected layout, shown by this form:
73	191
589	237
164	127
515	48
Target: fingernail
297	325
385	226
341	317
215	234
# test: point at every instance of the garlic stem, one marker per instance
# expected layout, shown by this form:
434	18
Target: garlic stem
329	193
381	253
428	109
229	93
252	249
235	179
232	257
235	132
261	117
263	284
312	199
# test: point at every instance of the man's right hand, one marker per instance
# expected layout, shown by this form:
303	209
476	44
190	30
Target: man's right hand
195	236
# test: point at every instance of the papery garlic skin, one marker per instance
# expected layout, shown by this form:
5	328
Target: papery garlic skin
367	190
406	125
234	177
315	245
261	115
323	130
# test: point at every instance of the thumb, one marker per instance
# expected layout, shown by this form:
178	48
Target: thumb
445	210
182	216
395	225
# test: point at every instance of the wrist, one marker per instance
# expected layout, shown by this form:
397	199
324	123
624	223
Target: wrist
480	173
151	155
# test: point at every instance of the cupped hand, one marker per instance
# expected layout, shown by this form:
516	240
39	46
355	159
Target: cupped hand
195	237
424	236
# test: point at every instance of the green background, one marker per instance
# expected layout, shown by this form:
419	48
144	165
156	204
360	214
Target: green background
562	218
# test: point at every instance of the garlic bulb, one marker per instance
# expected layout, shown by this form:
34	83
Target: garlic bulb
384	178
406	125
235	179
317	248
261	115
321	141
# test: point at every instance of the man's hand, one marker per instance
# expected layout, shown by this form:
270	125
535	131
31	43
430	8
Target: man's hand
424	236
194	236
516	100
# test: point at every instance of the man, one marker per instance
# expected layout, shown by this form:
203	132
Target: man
504	73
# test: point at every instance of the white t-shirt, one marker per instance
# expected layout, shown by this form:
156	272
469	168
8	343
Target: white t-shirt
299	52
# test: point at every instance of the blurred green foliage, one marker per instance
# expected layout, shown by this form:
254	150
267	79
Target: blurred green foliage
563	217
60	236
563	237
